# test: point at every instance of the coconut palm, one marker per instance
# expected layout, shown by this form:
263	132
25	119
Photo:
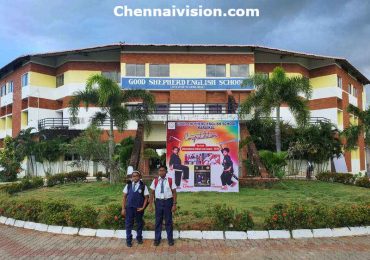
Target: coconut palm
273	92
106	94
26	144
353	132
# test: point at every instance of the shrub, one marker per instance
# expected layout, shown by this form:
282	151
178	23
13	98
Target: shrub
99	176
111	217
227	218
296	216
62	178
345	178
54	213
274	161
85	216
24	184
363	182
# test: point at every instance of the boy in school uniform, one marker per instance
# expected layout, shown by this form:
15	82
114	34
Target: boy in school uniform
228	170
163	189
135	198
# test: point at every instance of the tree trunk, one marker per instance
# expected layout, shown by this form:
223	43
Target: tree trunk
110	152
277	130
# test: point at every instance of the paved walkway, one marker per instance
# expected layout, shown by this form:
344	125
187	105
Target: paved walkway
19	243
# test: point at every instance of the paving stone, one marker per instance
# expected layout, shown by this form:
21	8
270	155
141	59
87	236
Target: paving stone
358	231
29	225
148	235
87	232
69	231
341	232
3	219
19	223
55	229
191	234
257	234
235	235
322	232
279	233
302	233
10	221
212	234
41	227
105	233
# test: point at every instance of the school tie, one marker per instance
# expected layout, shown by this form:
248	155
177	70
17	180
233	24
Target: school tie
162	186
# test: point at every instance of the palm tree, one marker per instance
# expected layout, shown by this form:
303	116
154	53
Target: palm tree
272	92
353	132
106	94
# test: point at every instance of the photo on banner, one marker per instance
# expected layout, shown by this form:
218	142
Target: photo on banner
203	155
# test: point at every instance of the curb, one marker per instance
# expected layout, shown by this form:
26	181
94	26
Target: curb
195	234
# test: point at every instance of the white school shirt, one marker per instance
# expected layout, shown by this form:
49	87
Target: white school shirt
167	190
135	186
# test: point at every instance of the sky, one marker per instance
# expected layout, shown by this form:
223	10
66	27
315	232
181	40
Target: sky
338	28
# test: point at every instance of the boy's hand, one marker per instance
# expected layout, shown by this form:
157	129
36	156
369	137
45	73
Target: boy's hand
150	207
123	212
140	209
174	208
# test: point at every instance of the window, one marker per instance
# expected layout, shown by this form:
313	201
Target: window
135	70
216	71
10	87
354	92
159	70
60	80
113	75
340	82
239	71
349	89
3	90
25	80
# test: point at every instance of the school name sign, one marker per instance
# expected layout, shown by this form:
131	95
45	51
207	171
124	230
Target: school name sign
184	83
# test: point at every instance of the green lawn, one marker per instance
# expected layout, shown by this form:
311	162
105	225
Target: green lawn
193	206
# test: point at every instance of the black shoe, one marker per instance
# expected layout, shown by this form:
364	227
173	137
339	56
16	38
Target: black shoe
128	243
171	243
156	243
139	241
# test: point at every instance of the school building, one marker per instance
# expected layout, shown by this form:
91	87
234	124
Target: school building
189	82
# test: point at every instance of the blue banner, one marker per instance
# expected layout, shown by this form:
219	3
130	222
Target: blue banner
184	83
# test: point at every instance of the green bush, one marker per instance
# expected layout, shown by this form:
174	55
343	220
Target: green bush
62	178
345	178
111	217
297	216
24	184
99	176
85	216
363	182
54	213
274	162
227	218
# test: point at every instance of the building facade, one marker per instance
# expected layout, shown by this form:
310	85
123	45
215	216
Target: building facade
189	82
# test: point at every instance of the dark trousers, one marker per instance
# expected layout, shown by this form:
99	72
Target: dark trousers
178	174
226	178
184	169
131	215
163	208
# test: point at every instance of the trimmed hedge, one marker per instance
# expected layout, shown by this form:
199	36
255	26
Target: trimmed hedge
301	216
345	178
51	213
24	184
62	178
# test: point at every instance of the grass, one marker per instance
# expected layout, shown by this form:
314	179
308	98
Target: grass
193	207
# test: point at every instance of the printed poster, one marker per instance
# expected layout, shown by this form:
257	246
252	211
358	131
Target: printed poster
203	155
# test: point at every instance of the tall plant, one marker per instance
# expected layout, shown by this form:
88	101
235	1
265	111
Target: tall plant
273	92
26	144
108	96
353	132
10	160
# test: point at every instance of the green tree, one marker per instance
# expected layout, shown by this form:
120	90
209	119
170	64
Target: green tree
124	151
353	132
26	144
272	92
108	96
48	152
10	160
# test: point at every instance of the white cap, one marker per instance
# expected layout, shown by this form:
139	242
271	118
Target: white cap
130	169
